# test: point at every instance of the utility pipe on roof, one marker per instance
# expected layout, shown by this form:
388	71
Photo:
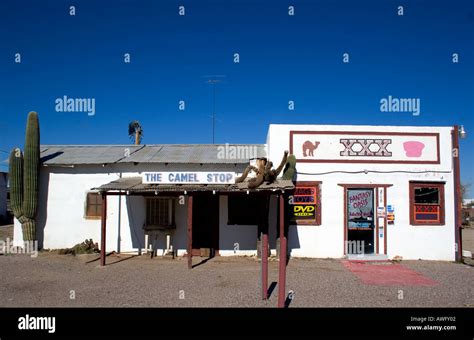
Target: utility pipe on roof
59	165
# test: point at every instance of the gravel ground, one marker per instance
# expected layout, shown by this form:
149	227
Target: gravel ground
49	280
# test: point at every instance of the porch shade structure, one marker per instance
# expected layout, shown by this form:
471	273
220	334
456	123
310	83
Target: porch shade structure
133	186
130	186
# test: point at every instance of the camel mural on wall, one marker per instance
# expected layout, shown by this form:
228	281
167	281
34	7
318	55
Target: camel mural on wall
309	147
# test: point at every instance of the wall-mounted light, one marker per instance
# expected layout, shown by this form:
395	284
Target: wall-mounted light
462	132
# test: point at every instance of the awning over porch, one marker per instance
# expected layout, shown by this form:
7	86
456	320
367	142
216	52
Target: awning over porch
135	185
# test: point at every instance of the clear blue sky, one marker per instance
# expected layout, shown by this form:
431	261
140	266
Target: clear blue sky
282	58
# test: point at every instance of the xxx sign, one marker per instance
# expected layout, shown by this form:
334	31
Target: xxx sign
366	147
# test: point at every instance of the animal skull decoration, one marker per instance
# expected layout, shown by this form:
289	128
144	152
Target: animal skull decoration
264	172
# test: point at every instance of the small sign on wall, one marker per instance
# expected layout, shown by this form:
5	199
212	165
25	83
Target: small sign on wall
381	212
390	214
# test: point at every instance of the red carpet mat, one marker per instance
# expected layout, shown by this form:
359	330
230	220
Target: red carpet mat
385	273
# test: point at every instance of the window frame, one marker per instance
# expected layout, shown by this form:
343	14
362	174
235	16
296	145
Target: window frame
99	204
318	220
416	184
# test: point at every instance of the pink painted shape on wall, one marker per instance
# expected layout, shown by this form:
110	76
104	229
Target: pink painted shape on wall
413	148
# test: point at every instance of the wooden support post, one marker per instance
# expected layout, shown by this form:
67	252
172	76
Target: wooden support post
457	194
190	232
282	269
103	218
264	254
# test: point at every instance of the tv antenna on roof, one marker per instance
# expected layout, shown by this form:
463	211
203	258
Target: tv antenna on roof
214	80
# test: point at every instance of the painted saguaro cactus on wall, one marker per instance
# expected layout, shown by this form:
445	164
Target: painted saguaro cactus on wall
24	179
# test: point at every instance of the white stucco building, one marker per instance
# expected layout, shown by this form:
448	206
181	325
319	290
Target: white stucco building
378	190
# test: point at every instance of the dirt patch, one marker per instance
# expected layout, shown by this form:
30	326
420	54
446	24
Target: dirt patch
6	231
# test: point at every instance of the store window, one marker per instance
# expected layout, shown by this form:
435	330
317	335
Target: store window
426	203
243	209
159	212
305	204
93	205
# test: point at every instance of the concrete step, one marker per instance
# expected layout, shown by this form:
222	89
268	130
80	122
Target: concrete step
365	257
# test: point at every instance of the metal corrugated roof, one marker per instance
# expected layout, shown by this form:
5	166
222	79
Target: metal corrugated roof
134	184
84	154
197	153
167	153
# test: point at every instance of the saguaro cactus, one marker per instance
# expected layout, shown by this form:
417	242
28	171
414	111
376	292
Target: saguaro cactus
16	181
290	168
24	183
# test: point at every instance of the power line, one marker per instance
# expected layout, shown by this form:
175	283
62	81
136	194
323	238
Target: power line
372	171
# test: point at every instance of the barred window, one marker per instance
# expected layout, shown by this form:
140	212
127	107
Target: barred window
159	212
